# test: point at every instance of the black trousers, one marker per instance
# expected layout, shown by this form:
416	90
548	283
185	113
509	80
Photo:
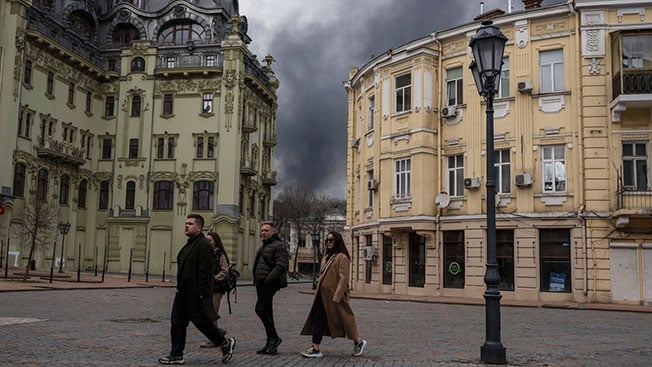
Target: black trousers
180	327
264	308
319	321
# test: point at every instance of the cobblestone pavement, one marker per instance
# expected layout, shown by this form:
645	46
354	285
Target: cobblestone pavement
130	327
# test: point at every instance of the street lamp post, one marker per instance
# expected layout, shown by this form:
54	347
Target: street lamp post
315	245
488	45
63	228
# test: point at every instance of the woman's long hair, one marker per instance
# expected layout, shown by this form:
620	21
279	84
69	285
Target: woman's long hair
338	245
218	242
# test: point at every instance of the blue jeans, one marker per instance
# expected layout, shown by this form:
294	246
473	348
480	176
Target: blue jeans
180	326
264	310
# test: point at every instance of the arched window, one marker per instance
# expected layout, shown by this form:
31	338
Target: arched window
130	199
82	24
104	195
81	197
64	189
202	195
19	180
42	185
163	195
138	64
179	33
135	106
124	34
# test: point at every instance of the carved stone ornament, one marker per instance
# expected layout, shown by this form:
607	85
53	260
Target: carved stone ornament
522	33
179	11
594	66
230	79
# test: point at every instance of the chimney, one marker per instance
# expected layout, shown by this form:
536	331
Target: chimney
531	4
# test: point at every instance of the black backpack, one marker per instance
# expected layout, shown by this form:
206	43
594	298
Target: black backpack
229	284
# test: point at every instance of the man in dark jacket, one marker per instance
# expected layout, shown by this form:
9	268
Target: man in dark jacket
270	275
193	300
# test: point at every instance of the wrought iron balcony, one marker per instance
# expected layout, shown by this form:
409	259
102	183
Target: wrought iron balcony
61	152
632	81
634	210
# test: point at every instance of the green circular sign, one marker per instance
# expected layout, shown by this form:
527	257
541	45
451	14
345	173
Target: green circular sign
388	267
454	268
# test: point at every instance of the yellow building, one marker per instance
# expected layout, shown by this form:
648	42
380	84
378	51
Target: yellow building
131	115
572	135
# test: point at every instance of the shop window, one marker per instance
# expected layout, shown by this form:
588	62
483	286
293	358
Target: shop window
417	266
454	259
554	260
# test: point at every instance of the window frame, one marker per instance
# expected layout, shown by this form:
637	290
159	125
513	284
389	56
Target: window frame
403	93
503	170
109	106
168	104
163	198
103	195
503	86
402	178
553	162
82	194
549	71
202	197
455	174
638	179
454	85
64	189
133	148
20	175
130	195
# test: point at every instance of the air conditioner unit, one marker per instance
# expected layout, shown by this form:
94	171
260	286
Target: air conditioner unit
471	182
525	86
523	180
372	185
448	112
369	252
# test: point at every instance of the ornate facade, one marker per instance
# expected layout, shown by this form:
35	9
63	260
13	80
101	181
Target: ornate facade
131	115
572	136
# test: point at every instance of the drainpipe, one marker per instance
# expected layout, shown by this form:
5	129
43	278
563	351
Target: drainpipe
439	155
580	143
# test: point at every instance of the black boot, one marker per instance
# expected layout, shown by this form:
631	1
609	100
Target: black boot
263	350
272	348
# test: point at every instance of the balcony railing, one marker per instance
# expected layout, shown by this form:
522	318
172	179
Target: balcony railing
60	151
634	199
632	81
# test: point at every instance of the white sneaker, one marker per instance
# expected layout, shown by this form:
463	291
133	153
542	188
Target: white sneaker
312	353
359	348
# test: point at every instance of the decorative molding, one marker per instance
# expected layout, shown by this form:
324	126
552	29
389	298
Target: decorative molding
594	66
551	104
501	109
522	33
626	11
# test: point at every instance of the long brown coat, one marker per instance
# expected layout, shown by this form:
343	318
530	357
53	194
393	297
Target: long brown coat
334	291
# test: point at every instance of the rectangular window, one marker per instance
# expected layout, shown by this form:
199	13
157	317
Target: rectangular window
109	106
554	168
503	175
171	145
637	52
167	104
555	261
104	195
370	189
89	100
402	178
210	60
207	103
454	259
551	66
417	260
160	148
170	62
200	148
106	148
163	195
402	93
635	166
210	148
368	263
454	87
71	93
49	87
27	77
503	87
372	109
456	175
505	258
387	260
133	148
135	106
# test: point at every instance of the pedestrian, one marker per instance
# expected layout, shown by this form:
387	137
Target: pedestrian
270	275
331	312
220	272
193	299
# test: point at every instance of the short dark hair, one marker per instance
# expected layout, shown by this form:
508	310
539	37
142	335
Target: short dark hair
198	218
271	224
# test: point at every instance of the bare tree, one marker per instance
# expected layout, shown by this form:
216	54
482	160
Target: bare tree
37	223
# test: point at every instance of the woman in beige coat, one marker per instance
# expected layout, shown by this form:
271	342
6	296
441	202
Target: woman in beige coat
331	312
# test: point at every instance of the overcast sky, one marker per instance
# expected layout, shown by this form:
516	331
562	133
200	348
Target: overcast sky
315	42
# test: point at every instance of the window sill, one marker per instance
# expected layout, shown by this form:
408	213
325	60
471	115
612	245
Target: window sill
49	96
28	86
105	117
71	105
550	94
166	116
206	115
88	113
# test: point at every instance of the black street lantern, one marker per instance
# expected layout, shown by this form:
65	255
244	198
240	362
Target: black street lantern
488	45
63	228
315	246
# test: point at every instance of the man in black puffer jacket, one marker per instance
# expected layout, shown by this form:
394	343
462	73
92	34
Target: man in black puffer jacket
270	275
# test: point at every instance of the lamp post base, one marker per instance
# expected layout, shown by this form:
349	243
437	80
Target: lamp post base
493	353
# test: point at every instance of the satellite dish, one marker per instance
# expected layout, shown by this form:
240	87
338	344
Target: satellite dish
442	200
